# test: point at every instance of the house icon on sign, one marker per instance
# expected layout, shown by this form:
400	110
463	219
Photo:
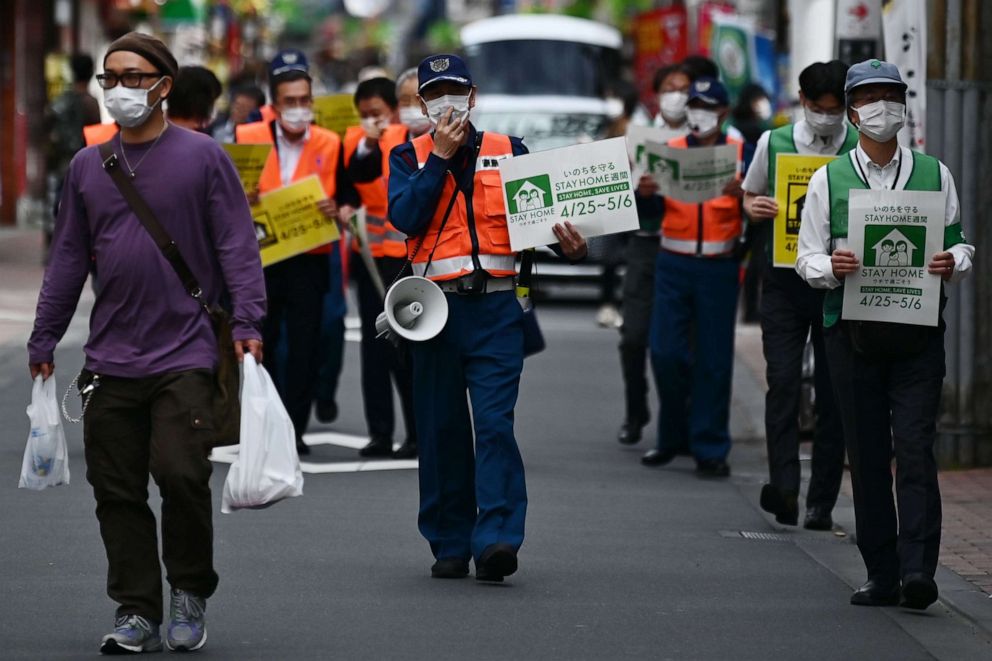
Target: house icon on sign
894	249
530	197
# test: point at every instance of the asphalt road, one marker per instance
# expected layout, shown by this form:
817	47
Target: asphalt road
620	561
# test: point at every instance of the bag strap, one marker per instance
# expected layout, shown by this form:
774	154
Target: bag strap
111	164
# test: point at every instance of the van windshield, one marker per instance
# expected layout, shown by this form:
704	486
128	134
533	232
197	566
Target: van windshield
537	67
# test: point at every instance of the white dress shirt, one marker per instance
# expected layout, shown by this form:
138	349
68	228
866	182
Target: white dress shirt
289	154
815	245
807	143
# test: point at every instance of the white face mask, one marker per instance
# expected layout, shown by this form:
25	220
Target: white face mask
437	108
763	109
129	106
703	123
296	120
881	120
673	105
823	123
414	119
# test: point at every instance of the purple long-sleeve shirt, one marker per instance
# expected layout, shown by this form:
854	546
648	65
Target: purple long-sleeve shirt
143	323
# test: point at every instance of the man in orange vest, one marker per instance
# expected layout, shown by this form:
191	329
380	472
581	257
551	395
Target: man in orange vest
445	194
692	326
296	286
366	150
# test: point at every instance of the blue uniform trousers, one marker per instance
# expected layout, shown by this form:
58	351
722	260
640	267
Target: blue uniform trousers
470	500
692	351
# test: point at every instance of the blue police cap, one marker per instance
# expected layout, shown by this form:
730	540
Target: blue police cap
442	67
873	72
288	60
710	91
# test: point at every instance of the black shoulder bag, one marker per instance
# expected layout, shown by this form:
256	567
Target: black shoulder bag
226	406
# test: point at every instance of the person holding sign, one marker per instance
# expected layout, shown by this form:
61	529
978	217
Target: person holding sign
445	194
366	148
887	376
692	324
790	310
296	286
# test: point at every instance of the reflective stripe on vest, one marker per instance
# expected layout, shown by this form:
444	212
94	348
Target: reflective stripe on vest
453	256
707	229
842	178
384	239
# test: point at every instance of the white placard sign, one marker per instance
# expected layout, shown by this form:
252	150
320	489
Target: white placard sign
894	234
696	174
588	185
637	138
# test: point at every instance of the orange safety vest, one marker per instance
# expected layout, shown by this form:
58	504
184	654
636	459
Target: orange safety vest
453	257
384	239
708	229
319	157
267	112
97	134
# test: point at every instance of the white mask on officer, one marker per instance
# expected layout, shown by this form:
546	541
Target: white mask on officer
673	105
881	120
129	106
823	123
414	119
437	108
296	120
703	122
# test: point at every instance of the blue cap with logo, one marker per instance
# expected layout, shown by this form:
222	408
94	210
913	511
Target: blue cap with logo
873	72
710	91
442	67
288	60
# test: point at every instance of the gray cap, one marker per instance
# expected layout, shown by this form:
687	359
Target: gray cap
873	72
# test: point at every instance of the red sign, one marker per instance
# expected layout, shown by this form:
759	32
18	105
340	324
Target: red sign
661	38
705	24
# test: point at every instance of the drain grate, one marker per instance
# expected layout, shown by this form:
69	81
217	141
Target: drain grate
783	537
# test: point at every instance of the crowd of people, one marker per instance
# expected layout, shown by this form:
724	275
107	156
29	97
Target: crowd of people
429	183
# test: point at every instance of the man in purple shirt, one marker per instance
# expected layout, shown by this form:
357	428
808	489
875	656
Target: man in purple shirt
152	352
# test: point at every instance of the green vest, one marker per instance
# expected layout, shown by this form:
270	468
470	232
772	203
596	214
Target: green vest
841	179
782	141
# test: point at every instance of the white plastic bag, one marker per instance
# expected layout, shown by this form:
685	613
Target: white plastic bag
46	457
267	468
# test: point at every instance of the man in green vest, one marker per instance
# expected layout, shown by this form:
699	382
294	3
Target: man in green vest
887	377
791	312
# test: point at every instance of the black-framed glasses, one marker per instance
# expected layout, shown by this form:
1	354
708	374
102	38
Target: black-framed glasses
130	79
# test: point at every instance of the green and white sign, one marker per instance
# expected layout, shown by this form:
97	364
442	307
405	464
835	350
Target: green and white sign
637	138
894	234
695	174
588	185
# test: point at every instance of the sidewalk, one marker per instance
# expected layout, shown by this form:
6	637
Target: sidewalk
966	540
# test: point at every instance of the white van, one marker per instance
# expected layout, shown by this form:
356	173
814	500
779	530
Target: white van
543	77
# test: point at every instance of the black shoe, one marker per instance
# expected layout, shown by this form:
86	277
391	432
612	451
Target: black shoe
712	468
874	593
450	568
657	457
496	562
785	506
818	518
302	448
326	411
406	451
918	591
630	430
377	447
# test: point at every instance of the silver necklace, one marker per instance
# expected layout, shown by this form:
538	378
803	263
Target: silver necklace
145	155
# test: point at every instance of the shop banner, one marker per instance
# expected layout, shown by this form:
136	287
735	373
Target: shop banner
250	161
906	47
661	38
733	50
894	234
335	112
588	185
792	175
704	24
288	222
693	175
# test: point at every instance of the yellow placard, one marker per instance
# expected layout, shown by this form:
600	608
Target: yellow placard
792	175
249	160
335	113
288	222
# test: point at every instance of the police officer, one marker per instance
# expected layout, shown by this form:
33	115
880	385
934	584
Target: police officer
445	193
791	312
695	305
887	378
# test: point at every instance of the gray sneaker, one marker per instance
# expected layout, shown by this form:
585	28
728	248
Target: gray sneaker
187	626
132	634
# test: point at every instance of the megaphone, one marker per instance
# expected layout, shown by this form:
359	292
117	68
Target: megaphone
415	309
